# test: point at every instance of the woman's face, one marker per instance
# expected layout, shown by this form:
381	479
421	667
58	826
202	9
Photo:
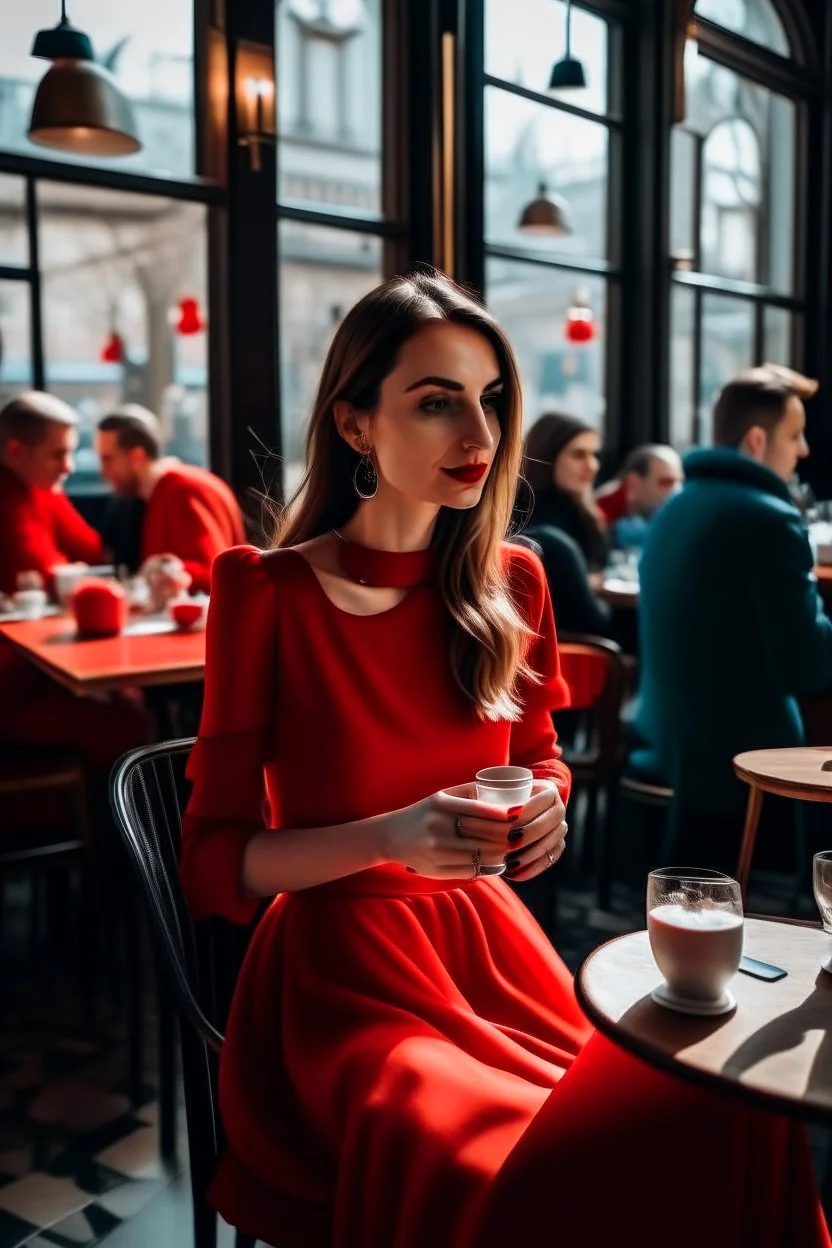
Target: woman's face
575	469
436	429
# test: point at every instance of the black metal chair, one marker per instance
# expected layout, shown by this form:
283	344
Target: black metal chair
149	791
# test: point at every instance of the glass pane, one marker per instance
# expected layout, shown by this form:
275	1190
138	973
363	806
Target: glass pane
727	347
323	272
532	302
683	425
329	103
528	145
753	19
149	50
748	175
683	155
116	268
777	336
15	340
524	38
14	237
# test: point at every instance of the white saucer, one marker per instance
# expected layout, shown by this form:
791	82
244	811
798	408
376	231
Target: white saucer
665	996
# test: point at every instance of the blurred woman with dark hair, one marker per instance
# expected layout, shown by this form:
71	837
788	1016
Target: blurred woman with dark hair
560	464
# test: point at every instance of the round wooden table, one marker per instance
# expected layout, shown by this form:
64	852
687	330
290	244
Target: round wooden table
796	772
775	1049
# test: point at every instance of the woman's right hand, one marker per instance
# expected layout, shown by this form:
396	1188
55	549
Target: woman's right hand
440	836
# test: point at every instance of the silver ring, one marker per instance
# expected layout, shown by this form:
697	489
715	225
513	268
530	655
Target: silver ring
476	858
550	854
458	828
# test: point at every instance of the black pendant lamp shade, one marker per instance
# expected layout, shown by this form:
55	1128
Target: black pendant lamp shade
78	105
567	72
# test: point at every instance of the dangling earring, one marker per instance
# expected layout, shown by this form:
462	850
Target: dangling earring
365	477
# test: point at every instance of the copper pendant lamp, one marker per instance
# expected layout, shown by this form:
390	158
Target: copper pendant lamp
78	105
545	215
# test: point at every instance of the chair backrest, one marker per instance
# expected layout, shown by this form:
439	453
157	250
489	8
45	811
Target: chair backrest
148	793
594	670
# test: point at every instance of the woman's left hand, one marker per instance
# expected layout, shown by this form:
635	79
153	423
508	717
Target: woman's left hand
544	827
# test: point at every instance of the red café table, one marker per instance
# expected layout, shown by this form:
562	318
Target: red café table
148	653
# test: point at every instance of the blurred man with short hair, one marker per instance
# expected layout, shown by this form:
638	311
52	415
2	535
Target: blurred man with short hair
650	475
190	514
39	527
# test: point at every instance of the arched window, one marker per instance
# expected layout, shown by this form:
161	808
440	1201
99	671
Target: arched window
736	296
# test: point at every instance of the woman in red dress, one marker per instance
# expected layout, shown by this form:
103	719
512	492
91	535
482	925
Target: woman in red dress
406	1065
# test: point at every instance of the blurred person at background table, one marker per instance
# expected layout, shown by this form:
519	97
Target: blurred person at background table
733	628
649	476
560	465
39	527
190	515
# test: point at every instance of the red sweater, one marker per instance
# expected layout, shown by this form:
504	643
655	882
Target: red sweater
192	514
38	529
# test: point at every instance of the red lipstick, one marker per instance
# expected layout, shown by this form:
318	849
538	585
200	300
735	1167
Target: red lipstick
468	474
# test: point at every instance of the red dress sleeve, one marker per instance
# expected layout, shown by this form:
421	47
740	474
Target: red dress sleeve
228	803
533	737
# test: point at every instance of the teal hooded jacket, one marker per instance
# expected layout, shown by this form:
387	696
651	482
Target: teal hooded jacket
732	629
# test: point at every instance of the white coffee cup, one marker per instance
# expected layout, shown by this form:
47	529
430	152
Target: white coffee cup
31	603
67	576
504	786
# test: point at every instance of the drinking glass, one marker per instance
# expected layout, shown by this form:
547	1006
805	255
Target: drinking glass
822	884
695	926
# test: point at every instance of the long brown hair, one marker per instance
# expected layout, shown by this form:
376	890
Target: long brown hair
489	638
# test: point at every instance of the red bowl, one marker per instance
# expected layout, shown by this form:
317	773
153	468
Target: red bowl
99	607
187	614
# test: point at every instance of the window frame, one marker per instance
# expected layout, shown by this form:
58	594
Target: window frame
784	77
619	17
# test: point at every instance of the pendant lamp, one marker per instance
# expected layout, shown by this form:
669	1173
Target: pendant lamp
545	215
78	106
567	72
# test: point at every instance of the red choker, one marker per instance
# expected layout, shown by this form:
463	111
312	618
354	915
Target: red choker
391	569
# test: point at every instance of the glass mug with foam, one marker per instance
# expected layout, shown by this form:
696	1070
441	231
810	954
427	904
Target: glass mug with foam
503	787
695	925
822	886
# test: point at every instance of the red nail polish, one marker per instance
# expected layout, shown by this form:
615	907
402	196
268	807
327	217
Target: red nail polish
513	812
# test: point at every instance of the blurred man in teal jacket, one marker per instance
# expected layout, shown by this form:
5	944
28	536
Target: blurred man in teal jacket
732	626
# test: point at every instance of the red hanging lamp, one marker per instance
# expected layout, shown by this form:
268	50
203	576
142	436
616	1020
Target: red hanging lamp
186	316
580	324
112	352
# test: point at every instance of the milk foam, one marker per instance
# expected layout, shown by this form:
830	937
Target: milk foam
705	919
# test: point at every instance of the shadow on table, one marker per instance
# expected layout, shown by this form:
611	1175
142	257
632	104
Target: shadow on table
788	1032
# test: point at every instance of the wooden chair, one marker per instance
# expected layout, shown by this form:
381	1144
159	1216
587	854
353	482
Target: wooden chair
594	670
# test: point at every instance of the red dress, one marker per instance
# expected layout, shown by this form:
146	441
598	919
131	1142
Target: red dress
406	1065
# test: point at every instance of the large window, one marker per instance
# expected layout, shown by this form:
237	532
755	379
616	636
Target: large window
552	290
332	217
121	290
735	246
148	48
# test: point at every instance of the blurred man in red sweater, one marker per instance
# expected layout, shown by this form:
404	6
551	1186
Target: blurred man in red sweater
39	527
190	514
